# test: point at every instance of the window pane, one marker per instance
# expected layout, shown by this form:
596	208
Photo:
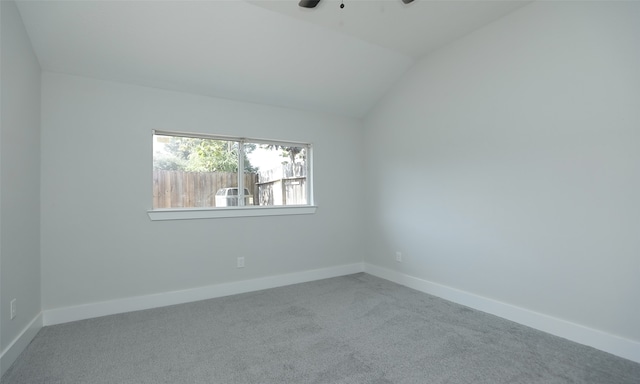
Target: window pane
281	173
194	172
203	171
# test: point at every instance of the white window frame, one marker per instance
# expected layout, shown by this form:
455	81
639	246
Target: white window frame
241	210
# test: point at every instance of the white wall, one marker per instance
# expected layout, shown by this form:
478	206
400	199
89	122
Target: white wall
508	165
504	165
20	180
98	242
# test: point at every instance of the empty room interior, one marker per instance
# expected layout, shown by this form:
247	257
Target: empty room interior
355	191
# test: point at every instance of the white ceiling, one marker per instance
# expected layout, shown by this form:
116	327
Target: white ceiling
271	52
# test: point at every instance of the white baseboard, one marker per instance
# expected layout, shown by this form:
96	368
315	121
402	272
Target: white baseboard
137	303
615	345
11	353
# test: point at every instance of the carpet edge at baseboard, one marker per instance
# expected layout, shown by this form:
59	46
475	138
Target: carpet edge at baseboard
604	341
22	340
111	307
616	345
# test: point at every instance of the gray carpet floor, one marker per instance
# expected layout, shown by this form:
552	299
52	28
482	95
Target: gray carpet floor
351	329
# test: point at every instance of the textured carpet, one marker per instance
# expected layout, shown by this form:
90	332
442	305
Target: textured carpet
352	329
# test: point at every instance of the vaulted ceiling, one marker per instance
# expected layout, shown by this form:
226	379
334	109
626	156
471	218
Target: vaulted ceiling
325	59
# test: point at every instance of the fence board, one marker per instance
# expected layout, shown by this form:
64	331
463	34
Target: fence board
177	189
286	185
283	185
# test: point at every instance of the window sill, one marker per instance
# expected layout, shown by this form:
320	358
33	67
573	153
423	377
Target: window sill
217	213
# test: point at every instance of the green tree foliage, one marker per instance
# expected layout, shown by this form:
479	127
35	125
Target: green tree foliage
293	153
168	163
202	155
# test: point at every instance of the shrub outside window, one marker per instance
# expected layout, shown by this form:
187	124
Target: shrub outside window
198	171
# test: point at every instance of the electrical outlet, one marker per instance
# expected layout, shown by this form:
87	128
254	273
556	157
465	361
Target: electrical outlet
399	257
240	262
13	309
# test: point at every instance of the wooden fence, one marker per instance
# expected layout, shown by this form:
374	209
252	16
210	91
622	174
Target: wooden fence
178	189
284	185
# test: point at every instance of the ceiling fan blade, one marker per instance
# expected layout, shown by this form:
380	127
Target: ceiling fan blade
310	3
407	1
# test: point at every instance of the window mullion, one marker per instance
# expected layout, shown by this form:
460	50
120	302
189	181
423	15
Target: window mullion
309	178
241	197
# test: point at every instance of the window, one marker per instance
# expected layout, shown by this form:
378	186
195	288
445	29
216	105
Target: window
239	176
